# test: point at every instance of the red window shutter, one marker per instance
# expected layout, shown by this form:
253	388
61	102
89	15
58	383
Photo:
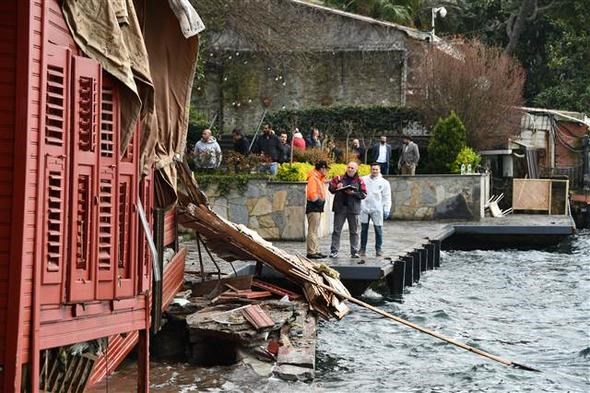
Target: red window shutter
108	192
54	141
85	125
128	221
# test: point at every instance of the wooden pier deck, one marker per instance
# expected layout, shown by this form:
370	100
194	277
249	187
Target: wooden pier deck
412	247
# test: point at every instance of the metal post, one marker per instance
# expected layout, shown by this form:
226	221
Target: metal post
257	130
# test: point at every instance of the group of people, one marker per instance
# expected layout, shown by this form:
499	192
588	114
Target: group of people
357	201
276	149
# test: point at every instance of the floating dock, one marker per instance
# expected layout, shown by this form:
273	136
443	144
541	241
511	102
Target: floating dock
413	247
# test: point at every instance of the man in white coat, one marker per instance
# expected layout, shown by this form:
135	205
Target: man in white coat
375	207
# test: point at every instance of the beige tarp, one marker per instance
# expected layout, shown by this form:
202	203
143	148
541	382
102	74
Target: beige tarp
172	63
151	47
109	32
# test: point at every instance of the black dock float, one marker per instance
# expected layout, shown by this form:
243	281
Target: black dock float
396	280
423	259
436	244
522	231
417	265
409	277
431	255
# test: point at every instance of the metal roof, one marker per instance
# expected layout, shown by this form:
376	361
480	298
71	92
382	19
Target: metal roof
561	115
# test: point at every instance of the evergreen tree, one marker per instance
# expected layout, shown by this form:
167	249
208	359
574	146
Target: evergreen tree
449	137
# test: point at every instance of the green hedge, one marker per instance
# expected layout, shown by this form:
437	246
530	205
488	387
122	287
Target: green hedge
226	182
339	120
298	171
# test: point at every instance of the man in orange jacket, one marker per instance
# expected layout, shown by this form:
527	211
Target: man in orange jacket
316	199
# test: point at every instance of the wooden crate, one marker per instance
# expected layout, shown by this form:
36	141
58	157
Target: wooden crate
540	195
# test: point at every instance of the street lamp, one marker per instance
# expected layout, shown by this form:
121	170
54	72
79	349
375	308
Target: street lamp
442	11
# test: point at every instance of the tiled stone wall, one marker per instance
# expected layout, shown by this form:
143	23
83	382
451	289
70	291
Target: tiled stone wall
435	197
276	210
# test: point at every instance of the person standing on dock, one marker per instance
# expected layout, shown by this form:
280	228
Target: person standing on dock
349	190
375	207
316	199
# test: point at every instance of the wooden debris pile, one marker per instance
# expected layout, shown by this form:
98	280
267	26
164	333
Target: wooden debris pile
245	319
237	242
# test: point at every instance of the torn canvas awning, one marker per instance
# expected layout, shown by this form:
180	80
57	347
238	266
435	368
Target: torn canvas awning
151	47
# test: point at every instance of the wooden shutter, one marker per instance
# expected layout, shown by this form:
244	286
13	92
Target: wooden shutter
128	221
84	131
108	190
54	142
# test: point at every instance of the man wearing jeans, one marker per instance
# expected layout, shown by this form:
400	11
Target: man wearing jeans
375	208
349	190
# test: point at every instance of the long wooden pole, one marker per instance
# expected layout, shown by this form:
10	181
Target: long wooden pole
466	347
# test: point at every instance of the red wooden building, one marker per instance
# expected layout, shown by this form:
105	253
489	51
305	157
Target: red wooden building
74	260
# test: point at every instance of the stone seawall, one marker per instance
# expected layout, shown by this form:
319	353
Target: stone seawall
276	210
438	197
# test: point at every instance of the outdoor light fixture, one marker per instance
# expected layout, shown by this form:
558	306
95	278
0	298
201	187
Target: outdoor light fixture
442	11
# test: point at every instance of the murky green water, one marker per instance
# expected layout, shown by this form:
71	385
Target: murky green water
532	307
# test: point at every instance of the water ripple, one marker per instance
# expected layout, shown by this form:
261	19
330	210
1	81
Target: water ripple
532	307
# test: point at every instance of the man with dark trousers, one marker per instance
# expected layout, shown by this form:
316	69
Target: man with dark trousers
381	153
349	190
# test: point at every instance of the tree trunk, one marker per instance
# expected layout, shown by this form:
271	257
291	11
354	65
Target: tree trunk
517	23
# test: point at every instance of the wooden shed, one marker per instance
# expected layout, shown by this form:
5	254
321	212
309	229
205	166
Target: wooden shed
75	265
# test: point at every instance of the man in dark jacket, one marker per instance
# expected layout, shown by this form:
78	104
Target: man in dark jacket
284	149
267	145
315	139
349	190
381	153
241	143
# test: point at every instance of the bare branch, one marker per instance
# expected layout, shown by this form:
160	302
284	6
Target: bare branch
509	25
481	87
